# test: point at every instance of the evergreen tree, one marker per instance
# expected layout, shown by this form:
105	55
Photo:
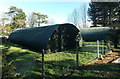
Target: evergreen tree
102	13
40	18
18	18
107	14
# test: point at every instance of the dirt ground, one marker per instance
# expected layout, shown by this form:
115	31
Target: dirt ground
106	59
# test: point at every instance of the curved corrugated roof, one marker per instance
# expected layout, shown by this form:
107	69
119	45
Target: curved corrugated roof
38	37
96	33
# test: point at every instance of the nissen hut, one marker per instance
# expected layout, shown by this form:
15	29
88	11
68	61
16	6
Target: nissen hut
54	38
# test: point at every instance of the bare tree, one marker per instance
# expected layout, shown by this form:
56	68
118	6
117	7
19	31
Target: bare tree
83	13
79	16
75	17
51	21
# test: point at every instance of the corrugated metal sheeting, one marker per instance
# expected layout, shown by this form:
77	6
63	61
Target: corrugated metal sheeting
96	33
55	37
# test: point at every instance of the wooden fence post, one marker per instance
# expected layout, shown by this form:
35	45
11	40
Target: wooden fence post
77	46
43	64
77	58
98	48
102	46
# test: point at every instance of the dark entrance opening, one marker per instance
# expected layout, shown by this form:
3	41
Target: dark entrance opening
63	38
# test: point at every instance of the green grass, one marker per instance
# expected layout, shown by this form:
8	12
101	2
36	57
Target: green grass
27	64
92	47
102	71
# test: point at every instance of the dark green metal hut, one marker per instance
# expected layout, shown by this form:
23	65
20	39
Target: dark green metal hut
95	33
54	38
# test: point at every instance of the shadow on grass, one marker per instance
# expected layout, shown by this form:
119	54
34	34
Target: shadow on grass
22	62
89	77
100	71
31	69
105	67
28	67
58	68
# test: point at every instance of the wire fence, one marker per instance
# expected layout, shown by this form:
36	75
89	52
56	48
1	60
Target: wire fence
28	64
61	63
93	47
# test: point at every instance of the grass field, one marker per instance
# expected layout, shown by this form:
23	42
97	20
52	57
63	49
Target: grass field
23	63
101	71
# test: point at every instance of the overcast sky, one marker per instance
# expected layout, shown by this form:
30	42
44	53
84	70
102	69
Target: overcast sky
58	10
